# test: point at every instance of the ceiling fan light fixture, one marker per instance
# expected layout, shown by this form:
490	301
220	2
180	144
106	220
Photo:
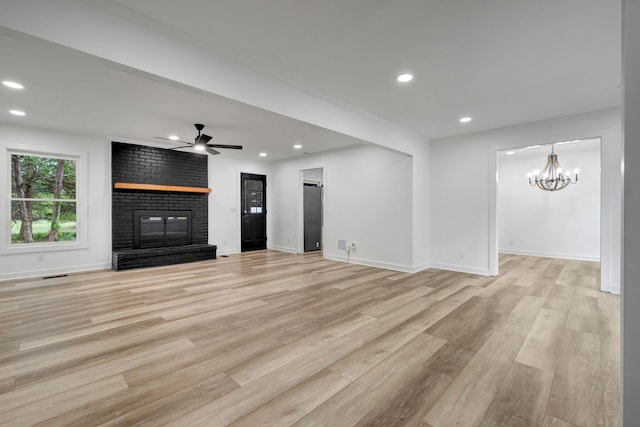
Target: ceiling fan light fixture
201	142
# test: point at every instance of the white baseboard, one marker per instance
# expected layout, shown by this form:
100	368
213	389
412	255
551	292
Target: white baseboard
234	251
284	249
420	267
370	263
550	255
614	289
230	251
53	271
360	261
461	268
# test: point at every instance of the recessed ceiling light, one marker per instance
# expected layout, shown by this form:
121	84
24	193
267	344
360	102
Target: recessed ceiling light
405	78
509	153
297	146
12	85
533	146
173	137
263	154
465	119
17	113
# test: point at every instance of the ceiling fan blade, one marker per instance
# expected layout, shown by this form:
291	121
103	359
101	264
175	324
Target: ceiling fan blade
230	147
172	140
203	139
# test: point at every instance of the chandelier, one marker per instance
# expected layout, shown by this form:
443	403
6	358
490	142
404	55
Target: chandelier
552	177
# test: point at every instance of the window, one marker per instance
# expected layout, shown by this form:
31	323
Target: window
44	208
253	194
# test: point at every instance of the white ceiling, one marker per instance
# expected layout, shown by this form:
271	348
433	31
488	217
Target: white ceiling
70	91
501	62
542	151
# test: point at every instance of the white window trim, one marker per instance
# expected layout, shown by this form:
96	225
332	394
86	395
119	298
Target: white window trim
82	241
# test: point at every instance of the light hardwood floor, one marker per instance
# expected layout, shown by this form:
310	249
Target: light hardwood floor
269	338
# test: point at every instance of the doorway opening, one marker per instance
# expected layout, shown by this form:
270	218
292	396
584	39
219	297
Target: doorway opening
253	212
312	217
312	187
562	224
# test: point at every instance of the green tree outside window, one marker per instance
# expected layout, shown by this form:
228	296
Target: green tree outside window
43	199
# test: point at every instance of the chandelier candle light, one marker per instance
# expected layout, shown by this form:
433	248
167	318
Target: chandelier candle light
552	177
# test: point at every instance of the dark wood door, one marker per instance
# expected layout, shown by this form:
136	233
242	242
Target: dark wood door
253	191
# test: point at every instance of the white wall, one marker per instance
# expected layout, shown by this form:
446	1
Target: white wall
313	175
631	280
224	201
559	224
120	37
367	200
96	253
371	204
421	201
462	183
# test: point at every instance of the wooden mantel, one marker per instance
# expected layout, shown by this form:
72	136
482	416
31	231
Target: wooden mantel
154	187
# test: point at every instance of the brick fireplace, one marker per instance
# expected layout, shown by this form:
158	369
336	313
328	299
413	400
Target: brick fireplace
163	199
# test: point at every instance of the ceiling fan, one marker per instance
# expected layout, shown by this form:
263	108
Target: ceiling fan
201	142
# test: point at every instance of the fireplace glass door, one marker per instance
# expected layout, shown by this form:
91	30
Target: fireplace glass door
153	229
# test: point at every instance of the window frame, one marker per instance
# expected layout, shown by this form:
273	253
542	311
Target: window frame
81	242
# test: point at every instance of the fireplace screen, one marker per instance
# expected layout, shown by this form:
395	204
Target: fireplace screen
153	229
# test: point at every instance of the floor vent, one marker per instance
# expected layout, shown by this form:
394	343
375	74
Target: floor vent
54	277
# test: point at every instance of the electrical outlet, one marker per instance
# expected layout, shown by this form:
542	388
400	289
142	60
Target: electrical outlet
288	239
224	243
510	242
461	255
342	245
40	257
